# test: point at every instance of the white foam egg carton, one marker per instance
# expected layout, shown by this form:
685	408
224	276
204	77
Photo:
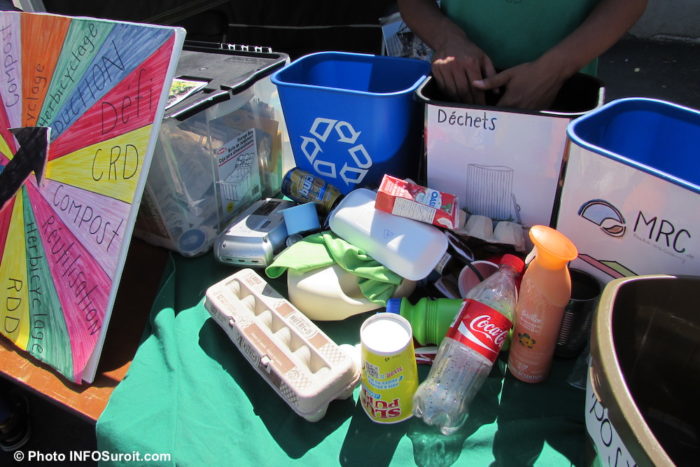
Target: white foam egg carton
299	361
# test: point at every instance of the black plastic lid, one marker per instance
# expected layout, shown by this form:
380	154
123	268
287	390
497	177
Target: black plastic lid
228	69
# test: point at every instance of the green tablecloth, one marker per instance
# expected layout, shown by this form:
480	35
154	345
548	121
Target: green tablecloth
191	394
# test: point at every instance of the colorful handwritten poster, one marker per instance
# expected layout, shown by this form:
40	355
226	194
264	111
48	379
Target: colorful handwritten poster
81	101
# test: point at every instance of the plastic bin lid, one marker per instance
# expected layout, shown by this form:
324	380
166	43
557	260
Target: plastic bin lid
223	70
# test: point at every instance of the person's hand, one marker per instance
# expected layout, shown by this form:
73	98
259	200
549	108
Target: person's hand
532	85
457	63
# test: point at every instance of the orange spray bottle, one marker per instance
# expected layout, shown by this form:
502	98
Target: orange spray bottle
544	292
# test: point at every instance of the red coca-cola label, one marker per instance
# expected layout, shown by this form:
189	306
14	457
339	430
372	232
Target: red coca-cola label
481	328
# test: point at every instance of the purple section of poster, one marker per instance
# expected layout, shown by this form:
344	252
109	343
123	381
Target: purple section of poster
97	221
11	66
82	286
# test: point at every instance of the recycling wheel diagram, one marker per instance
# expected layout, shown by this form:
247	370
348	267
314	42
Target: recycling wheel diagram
352	172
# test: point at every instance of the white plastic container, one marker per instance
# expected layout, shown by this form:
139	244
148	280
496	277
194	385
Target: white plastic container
408	247
333	294
301	363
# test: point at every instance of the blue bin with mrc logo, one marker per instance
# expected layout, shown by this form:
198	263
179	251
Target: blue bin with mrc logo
631	192
352	117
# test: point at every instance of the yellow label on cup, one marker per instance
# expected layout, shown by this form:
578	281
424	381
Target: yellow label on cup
389	371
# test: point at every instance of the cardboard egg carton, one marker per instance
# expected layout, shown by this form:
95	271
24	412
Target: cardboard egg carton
300	362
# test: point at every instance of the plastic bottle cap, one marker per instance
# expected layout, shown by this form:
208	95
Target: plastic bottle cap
393	305
514	262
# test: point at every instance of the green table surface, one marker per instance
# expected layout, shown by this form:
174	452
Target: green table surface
191	394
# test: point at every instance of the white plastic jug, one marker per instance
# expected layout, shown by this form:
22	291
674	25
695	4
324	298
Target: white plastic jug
333	294
408	247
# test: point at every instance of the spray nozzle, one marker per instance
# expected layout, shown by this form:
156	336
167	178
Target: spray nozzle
554	249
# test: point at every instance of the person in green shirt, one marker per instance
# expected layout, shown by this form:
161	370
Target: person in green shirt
523	50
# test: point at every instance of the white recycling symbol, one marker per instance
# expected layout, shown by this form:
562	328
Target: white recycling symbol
321	129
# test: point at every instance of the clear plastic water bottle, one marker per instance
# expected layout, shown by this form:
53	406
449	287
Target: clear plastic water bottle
467	352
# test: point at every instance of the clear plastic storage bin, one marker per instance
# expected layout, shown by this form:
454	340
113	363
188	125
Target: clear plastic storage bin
220	146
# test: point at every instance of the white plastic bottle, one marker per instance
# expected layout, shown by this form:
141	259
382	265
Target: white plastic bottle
467	352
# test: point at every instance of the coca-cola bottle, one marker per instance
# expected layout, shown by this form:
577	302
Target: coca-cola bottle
467	352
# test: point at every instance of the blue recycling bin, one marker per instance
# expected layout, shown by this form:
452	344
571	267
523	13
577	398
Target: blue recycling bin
352	117
658	137
630	200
